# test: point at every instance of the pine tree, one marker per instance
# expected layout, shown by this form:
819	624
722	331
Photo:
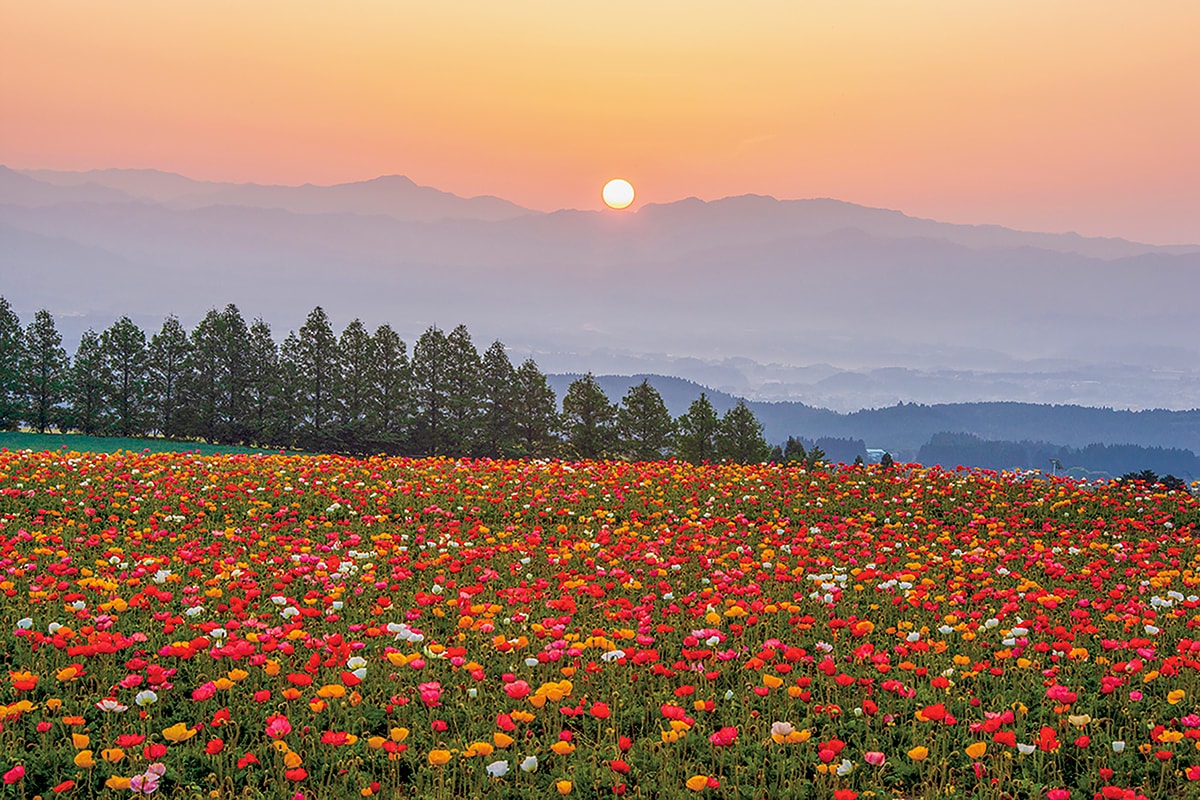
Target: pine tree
390	400
235	376
320	377
644	425
12	342
203	384
464	383
356	353
431	393
589	418
536	418
262	390
498	430
794	450
169	360
87	388
288	415
696	437
124	348
45	372
740	437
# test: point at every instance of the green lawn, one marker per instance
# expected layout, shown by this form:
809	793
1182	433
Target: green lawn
19	440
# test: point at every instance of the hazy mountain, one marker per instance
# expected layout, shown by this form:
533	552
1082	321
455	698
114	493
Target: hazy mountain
21	190
391	195
815	300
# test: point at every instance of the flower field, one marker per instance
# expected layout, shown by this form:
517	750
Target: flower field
270	626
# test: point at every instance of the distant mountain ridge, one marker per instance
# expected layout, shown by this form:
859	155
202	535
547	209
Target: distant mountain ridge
818	300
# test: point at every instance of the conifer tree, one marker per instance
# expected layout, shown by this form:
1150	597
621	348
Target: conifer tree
696	432
390	406
740	437
536	417
356	353
203	379
124	347
45	372
644	425
589	418
431	393
464	382
12	342
235	376
319	373
262	390
86	391
498	431
168	363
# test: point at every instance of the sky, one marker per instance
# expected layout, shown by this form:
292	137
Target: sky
1070	115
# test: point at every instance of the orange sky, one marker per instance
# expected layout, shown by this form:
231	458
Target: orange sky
1066	115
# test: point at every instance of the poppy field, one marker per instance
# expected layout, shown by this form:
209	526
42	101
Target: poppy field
316	627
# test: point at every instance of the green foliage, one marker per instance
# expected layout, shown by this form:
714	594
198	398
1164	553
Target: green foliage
696	432
498	423
390	405
88	385
644	425
740	437
45	372
11	344
464	381
537	421
431	392
356	353
589	418
123	346
168	368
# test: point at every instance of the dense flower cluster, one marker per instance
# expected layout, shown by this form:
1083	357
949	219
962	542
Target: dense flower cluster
320	627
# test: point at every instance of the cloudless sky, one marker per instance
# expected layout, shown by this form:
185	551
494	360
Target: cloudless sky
1076	115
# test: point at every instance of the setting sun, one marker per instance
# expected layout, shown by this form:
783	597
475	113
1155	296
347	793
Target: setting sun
618	193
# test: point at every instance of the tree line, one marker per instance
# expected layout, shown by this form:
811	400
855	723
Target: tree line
227	381
965	449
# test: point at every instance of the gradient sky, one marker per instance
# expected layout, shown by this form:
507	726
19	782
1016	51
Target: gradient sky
1076	115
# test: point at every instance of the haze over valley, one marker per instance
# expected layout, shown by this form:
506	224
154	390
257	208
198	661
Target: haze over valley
820	301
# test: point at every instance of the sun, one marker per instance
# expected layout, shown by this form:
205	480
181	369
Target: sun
618	193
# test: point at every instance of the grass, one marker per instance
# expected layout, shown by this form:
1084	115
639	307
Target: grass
75	442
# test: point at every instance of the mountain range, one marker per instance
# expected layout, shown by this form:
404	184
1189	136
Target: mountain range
818	302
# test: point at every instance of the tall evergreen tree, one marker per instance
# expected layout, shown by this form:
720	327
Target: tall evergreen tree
589	418
12	341
204	378
696	437
262	389
498	428
320	373
389	406
124	347
644	425
740	436
235	376
45	372
288	416
356	352
536	418
431	393
89	383
464	384
168	362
